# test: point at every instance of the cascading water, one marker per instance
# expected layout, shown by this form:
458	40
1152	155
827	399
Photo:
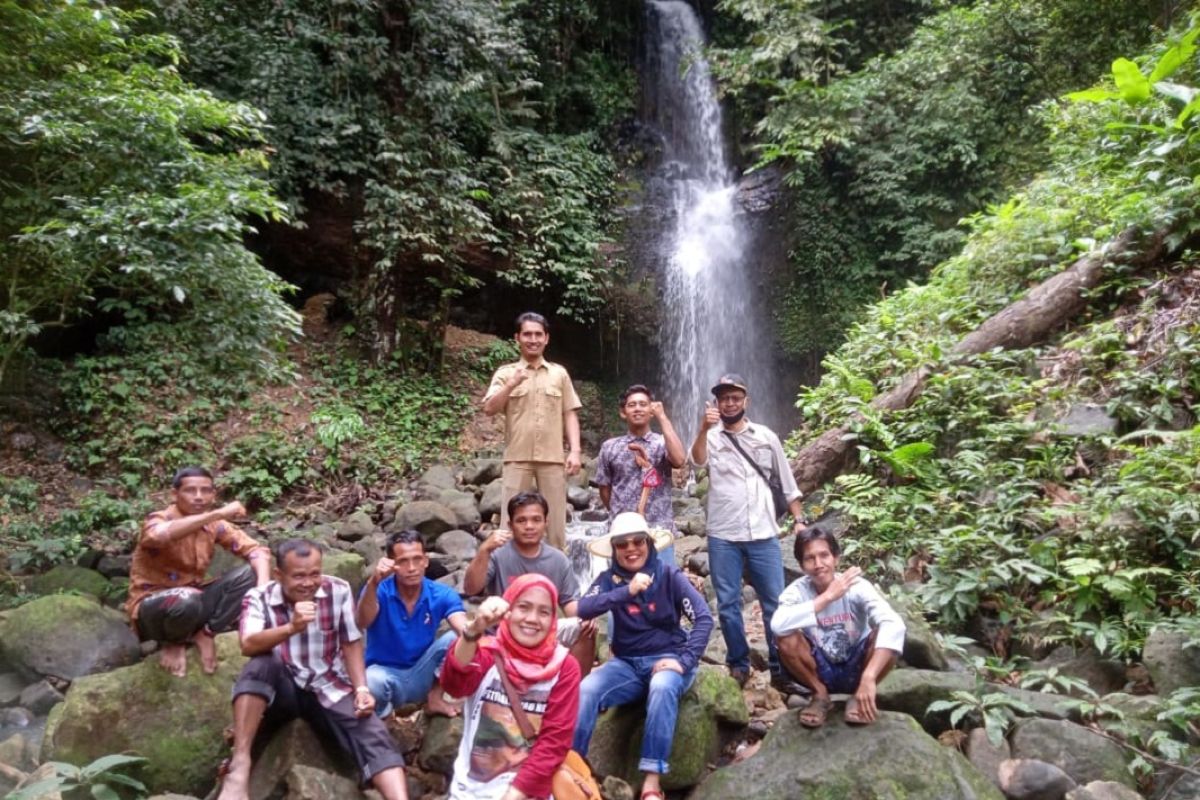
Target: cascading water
711	320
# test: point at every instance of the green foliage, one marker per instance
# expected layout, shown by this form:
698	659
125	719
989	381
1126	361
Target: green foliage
101	778
995	711
37	540
887	155
454	131
376	423
263	466
126	190
1083	538
1051	680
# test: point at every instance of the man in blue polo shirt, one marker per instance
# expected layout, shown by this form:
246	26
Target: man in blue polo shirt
401	610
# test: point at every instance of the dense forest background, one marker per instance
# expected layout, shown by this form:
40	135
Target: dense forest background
269	236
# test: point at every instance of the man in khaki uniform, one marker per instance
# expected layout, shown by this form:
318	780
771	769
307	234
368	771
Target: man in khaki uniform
539	405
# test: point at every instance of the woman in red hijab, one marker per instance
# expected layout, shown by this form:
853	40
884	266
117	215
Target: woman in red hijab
495	760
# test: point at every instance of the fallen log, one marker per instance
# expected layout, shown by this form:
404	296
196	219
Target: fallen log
1041	311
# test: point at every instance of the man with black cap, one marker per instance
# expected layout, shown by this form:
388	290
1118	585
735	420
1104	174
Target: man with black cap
742	528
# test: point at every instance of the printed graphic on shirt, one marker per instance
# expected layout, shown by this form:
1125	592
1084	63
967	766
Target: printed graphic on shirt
499	746
836	635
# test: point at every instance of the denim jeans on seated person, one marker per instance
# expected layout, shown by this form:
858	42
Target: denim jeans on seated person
628	680
399	686
762	560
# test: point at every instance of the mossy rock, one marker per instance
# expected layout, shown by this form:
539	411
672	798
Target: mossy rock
712	700
66	636
893	759
175	723
347	566
68	578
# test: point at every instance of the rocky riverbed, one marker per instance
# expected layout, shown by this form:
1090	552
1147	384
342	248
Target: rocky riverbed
75	685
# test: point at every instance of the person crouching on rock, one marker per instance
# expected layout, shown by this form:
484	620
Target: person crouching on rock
307	661
522	690
653	657
170	599
836	633
401	610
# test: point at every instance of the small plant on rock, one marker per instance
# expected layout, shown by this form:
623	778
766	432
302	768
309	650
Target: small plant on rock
100	778
995	710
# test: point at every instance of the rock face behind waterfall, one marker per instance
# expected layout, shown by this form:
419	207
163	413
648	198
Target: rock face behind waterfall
891	760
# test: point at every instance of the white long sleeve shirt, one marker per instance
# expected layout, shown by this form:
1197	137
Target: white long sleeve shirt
838	627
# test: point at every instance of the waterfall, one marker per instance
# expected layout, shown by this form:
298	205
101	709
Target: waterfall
711	321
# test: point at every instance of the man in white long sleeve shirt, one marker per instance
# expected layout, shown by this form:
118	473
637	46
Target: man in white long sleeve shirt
835	632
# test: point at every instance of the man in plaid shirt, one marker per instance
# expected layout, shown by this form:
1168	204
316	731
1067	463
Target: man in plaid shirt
307	661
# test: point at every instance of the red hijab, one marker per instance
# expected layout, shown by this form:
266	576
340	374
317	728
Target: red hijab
529	665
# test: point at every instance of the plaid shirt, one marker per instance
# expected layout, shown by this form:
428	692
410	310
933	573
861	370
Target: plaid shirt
313	656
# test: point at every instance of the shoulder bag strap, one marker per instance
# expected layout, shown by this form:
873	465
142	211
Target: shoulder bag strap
514	700
749	460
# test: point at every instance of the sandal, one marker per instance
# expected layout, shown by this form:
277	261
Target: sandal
813	715
852	716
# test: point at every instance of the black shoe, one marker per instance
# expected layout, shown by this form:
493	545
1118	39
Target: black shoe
739	674
786	685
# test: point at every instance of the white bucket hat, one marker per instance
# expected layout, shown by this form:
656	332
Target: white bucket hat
624	524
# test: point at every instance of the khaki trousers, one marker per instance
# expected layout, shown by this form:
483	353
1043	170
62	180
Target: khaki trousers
551	480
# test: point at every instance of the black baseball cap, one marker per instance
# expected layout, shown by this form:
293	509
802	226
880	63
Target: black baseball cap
730	380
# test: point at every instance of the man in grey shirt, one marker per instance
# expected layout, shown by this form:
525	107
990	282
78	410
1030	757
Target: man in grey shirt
836	632
506	555
742	531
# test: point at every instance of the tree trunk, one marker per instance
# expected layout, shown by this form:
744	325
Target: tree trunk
1042	310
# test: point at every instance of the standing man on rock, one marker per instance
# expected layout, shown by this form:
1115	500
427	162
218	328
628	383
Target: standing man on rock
401	610
505	556
633	471
171	601
306	660
742	531
539	405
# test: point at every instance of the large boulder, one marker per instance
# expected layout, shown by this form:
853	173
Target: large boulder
482	471
1081	753
309	783
11	685
1105	790
439	748
890	760
922	649
459	544
462	505
66	636
1171	665
436	480
295	744
986	756
912	690
355	527
69	578
425	516
1103	675
1030	779
175	723
347	566
493	496
713	700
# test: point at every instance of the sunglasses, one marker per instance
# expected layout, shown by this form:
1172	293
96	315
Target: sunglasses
639	541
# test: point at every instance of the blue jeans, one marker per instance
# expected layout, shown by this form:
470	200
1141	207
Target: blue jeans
398	686
627	680
763	561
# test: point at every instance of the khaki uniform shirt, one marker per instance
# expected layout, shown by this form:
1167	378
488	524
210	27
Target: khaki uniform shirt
533	415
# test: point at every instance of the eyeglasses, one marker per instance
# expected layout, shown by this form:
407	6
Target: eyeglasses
638	541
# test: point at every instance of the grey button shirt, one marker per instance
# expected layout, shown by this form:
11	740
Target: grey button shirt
740	508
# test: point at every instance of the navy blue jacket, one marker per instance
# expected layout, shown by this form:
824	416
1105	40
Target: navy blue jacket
649	624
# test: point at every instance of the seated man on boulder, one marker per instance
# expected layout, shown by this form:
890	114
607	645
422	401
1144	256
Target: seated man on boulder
401	610
654	658
505	556
171	600
836	633
306	660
